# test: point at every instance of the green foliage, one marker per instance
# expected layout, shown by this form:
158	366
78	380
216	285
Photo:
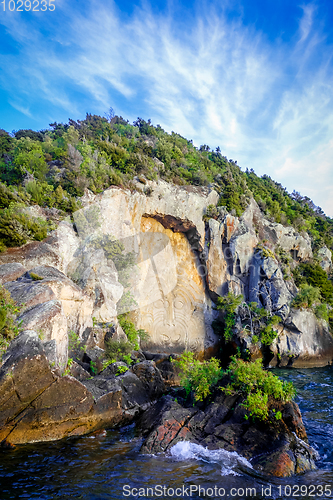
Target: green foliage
106	363
127	359
93	367
322	312
17	226
67	370
9	327
278	414
312	274
211	213
115	350
198	376
131	332
257	405
229	304
97	153
306	297
265	251
257	385
255	339
3	317
268	334
121	369
73	340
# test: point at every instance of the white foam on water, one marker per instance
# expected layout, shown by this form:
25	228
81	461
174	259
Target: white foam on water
229	460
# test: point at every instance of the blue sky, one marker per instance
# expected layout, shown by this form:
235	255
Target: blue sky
254	77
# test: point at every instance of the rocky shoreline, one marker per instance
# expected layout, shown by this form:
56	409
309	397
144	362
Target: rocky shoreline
177	262
39	404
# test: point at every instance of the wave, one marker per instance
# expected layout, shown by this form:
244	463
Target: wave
229	460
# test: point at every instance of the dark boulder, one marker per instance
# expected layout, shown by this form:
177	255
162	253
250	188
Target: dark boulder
275	447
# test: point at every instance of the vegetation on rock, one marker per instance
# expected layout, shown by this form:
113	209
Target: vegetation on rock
198	376
257	321
52	168
260	387
131	332
229	304
118	350
9	328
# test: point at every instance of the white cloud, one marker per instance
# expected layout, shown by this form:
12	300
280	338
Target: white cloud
22	109
306	22
219	82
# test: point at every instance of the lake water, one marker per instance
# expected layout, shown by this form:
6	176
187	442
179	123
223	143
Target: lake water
109	465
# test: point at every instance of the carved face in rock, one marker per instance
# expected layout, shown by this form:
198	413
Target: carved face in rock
174	315
176	321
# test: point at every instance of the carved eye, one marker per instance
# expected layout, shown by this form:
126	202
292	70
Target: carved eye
179	304
159	304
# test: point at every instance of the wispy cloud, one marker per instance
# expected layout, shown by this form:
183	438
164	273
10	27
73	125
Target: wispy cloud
22	109
218	82
305	24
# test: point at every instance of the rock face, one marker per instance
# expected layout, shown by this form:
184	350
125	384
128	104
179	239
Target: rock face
154	257
10	272
48	406
161	238
303	342
325	259
52	304
49	320
267	287
173	304
279	448
234	264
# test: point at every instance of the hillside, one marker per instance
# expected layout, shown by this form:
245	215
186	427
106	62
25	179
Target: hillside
52	168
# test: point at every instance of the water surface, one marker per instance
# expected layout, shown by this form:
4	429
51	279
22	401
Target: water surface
109	465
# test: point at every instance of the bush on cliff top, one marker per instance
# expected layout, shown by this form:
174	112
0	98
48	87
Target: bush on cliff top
59	163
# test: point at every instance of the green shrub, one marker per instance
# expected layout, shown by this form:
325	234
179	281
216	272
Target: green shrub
131	332
93	367
321	311
115	350
257	385
257	405
73	340
229	304
121	369
211	213
67	370
306	297
313	274
198	376
17	227
268	334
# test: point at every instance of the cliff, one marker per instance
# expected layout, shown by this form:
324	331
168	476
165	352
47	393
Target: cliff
166	257
161	258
